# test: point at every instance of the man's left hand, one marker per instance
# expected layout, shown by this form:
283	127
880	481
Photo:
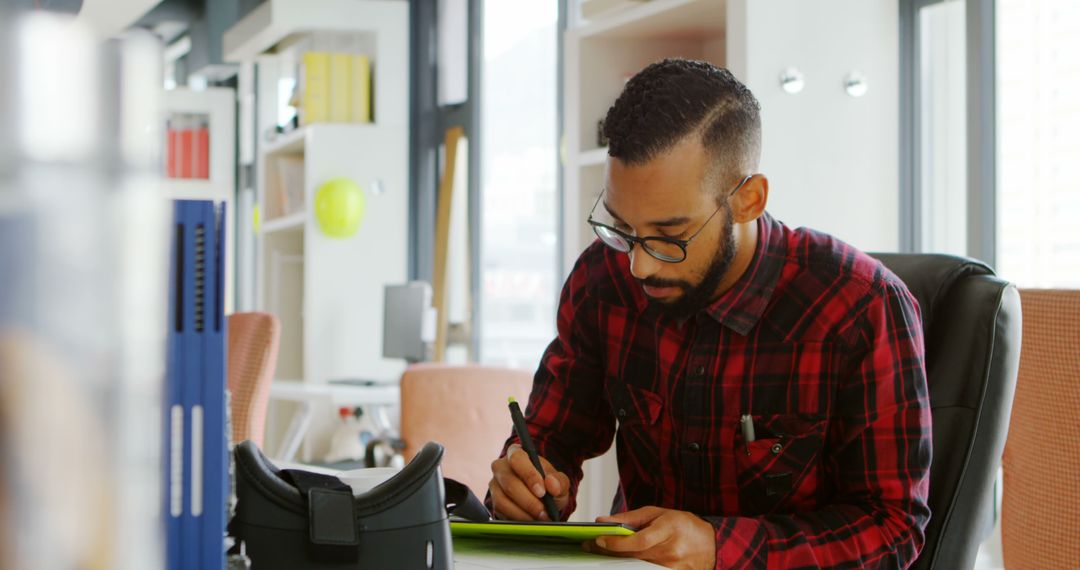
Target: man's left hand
675	539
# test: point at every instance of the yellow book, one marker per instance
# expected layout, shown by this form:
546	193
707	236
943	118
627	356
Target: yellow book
341	69
316	106
361	89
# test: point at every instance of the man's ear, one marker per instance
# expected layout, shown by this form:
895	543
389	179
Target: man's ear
749	202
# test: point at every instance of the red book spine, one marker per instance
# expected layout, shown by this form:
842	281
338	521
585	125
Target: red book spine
202	153
187	145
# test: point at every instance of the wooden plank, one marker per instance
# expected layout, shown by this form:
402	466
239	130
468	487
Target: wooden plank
442	238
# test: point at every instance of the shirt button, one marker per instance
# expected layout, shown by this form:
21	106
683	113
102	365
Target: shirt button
621	413
777	448
700	370
694	446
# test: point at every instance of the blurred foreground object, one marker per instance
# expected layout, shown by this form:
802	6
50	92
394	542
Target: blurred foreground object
82	297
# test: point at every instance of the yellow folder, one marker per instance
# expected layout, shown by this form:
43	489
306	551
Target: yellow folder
361	89
316	104
341	85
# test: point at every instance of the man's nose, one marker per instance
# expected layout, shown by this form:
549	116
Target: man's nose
642	265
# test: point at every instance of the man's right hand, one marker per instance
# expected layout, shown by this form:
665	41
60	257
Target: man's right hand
516	487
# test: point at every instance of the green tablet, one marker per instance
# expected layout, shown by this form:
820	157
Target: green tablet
535	530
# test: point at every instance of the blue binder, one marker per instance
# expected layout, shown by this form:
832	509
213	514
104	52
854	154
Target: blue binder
196	443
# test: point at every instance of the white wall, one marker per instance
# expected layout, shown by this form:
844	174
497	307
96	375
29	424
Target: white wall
832	160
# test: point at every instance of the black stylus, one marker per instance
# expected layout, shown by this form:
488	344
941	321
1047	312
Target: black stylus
527	445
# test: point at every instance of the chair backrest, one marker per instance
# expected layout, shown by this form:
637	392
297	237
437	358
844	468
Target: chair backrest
1040	515
464	409
971	320
252	358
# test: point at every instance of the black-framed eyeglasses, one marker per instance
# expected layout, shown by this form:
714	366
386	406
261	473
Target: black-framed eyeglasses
667	249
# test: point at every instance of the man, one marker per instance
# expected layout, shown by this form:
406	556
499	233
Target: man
767	384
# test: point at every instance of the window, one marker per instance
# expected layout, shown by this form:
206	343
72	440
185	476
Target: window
519	186
942	104
1038	161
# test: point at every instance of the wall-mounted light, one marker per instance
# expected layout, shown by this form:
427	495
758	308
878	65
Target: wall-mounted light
855	84
791	80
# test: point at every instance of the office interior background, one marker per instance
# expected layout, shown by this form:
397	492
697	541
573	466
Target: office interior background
469	131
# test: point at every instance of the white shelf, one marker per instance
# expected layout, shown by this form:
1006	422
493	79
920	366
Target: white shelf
274	21
285	223
291	142
192	189
295	141
661	19
594	157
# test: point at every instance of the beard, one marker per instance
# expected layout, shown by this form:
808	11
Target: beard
697	297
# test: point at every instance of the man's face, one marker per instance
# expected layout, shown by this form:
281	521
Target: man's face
669	196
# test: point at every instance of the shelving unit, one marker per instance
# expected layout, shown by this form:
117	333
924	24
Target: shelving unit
328	292
218	106
600	56
660	19
292	222
288	143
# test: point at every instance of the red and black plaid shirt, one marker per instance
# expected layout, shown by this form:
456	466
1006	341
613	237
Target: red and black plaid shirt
817	341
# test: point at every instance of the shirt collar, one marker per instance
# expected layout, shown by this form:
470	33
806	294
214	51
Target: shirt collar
740	307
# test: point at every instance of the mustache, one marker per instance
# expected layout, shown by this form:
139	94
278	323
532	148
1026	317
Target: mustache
660	283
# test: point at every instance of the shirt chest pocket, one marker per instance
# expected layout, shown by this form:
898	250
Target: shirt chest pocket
636	406
640	417
780	470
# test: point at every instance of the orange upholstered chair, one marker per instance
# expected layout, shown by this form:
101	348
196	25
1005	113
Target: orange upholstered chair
463	408
1040	518
252	358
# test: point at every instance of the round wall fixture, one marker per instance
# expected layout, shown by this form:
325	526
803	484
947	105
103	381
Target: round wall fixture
855	84
792	81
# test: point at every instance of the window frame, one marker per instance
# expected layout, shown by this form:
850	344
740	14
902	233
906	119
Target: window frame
980	43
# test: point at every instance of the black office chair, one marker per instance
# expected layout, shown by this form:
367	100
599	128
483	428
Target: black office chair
971	320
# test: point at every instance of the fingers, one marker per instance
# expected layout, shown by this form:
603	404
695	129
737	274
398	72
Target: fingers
523	467
557	483
640	541
505	508
637	518
672	539
512	490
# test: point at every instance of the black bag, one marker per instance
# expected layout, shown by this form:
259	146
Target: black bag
297	519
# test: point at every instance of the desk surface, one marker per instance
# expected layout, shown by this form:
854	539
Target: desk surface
338	394
488	554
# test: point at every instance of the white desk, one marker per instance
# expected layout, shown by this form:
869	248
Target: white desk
486	554
328	396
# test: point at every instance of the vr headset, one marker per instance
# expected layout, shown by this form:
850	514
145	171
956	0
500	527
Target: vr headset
297	519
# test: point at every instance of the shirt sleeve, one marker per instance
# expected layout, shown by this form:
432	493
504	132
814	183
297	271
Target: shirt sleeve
877	460
568	417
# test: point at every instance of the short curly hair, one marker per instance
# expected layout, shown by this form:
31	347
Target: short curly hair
674	98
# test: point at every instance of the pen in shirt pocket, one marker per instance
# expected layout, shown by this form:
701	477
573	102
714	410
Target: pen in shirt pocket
747	423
